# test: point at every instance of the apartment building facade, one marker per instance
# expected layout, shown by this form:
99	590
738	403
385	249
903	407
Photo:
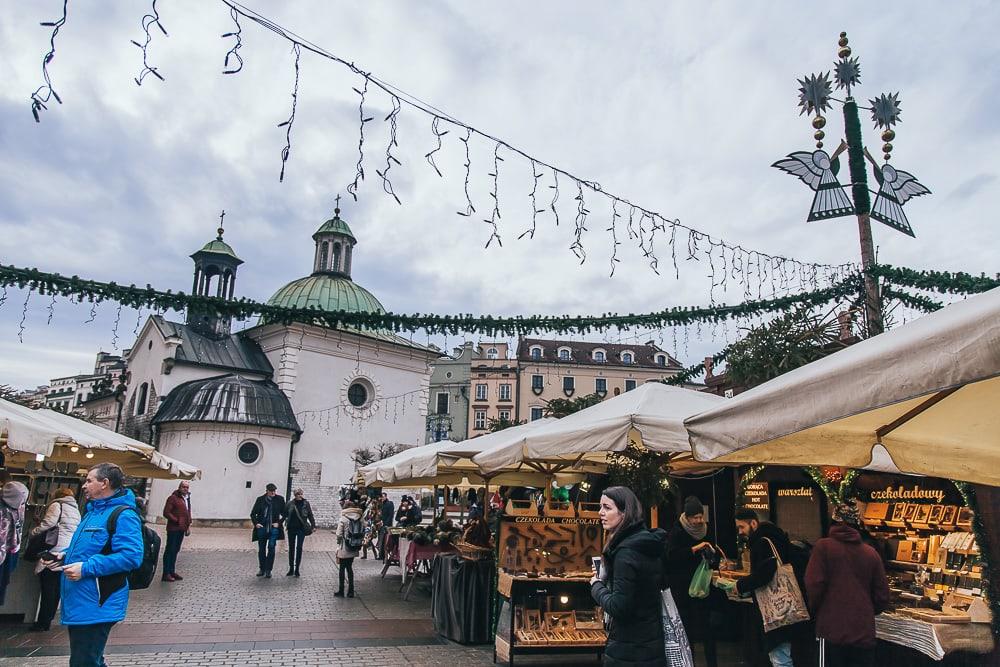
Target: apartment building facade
493	379
448	398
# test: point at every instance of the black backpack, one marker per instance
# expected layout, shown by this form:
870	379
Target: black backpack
354	535
142	576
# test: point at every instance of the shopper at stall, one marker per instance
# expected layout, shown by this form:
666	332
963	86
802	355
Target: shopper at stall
761	535
414	514
350	533
267	515
403	513
62	516
12	502
627	587
846	587
177	512
388	511
687	550
300	523
95	585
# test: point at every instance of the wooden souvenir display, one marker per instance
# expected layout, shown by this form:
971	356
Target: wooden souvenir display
937	511
587	619
588	510
560	508
909	511
521	508
550	545
973	606
922	514
948	516
876	512
964	518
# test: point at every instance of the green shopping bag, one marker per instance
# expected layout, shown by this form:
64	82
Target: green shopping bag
701	582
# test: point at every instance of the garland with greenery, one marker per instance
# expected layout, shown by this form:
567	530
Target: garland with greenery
694	370
837	491
147	297
915	301
968	492
936	281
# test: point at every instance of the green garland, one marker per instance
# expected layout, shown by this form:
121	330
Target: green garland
694	370
856	158
915	301
968	492
147	297
936	281
844	491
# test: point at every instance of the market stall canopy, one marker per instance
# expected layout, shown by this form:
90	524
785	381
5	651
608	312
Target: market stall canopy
25	433
651	415
927	392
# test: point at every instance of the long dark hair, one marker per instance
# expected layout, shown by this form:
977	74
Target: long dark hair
630	507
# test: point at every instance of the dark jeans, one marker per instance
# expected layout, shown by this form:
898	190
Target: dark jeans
170	551
347	566
696	615
843	655
86	644
296	538
266	540
49	582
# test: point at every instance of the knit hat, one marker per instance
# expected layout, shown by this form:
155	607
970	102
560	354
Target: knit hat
693	506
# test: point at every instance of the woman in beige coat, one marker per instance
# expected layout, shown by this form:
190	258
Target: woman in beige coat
350	535
63	514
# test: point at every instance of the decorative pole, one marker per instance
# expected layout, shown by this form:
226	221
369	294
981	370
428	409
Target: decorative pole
819	169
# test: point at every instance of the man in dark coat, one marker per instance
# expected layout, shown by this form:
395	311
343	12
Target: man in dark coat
630	596
687	549
847	587
763	566
387	514
267	516
177	512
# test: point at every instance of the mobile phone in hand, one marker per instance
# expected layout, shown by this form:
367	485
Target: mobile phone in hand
596	563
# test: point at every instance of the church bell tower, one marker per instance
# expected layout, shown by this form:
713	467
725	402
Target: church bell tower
215	268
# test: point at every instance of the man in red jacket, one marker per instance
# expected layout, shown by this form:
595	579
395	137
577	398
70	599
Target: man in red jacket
846	586
177	512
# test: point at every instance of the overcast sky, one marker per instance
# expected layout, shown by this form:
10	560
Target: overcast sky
680	107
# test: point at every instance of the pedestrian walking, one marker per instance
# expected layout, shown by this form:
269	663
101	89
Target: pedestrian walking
14	495
177	512
301	523
846	587
687	551
388	512
267	516
627	585
766	540
63	516
350	534
95	586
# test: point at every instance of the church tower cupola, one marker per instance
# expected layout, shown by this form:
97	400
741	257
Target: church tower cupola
215	268
334	246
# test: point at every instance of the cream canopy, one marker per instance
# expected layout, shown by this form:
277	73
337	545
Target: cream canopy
25	433
651	415
926	394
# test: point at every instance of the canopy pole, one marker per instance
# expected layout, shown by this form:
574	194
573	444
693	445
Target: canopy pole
882	431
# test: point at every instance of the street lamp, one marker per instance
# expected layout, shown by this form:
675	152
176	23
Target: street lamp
818	169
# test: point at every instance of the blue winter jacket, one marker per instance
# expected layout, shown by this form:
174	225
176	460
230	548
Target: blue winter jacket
80	600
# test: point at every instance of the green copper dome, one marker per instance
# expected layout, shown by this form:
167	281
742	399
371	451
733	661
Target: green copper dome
326	292
335	226
219	247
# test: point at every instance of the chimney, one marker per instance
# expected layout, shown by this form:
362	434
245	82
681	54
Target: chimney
709	363
845	324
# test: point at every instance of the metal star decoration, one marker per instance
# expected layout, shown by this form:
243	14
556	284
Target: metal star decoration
847	73
814	94
885	110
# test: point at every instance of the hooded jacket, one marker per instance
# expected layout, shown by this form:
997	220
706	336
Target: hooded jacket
348	515
847	586
64	513
80	599
630	596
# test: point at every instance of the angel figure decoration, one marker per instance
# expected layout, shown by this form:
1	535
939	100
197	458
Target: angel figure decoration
818	171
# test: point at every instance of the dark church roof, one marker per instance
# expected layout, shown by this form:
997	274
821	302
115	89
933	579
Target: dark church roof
228	399
232	352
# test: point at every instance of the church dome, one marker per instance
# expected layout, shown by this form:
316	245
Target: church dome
329	292
228	399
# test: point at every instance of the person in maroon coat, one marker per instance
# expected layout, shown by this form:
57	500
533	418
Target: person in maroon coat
177	512
846	587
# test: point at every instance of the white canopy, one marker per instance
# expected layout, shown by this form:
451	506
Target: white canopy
928	392
652	415
25	433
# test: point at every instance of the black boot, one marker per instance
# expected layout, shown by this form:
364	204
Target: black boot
297	571
339	594
350	592
290	572
260	573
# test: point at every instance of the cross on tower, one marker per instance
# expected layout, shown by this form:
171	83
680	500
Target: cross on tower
222	218
337	208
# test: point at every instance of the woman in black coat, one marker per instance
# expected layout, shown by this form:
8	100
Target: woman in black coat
628	586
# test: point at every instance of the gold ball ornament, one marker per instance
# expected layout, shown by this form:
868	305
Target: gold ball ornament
819	122
887	156
888	135
886	147
819	134
819	144
845	52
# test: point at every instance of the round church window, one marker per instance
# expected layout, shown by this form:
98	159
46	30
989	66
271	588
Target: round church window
357	394
249	452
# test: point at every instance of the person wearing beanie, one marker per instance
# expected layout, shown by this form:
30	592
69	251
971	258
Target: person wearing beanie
687	548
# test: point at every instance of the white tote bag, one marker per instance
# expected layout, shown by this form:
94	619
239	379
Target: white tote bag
781	601
675	640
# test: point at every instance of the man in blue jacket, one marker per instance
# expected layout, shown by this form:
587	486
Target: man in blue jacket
95	587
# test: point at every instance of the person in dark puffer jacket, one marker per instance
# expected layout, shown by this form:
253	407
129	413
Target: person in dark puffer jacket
628	587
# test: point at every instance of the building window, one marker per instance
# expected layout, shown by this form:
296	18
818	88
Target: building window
504	415
249	452
482	392
601	385
536	414
492	353
536	353
627	357
565	354
661	359
442	402
629	385
505	392
599	356
140	403
569	384
357	394
537	383
480	421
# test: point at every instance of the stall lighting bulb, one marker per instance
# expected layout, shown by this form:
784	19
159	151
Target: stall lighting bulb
39	457
90	455
74	449
563	599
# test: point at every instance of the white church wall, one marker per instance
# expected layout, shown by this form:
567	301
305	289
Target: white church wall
222	493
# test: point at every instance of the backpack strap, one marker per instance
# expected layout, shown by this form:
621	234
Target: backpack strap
112	525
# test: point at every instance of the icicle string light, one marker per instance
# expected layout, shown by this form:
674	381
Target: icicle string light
390	159
359	174
296	49
438	134
234	61
148	21
45	92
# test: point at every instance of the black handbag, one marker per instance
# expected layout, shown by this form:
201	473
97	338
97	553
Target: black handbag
42	541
